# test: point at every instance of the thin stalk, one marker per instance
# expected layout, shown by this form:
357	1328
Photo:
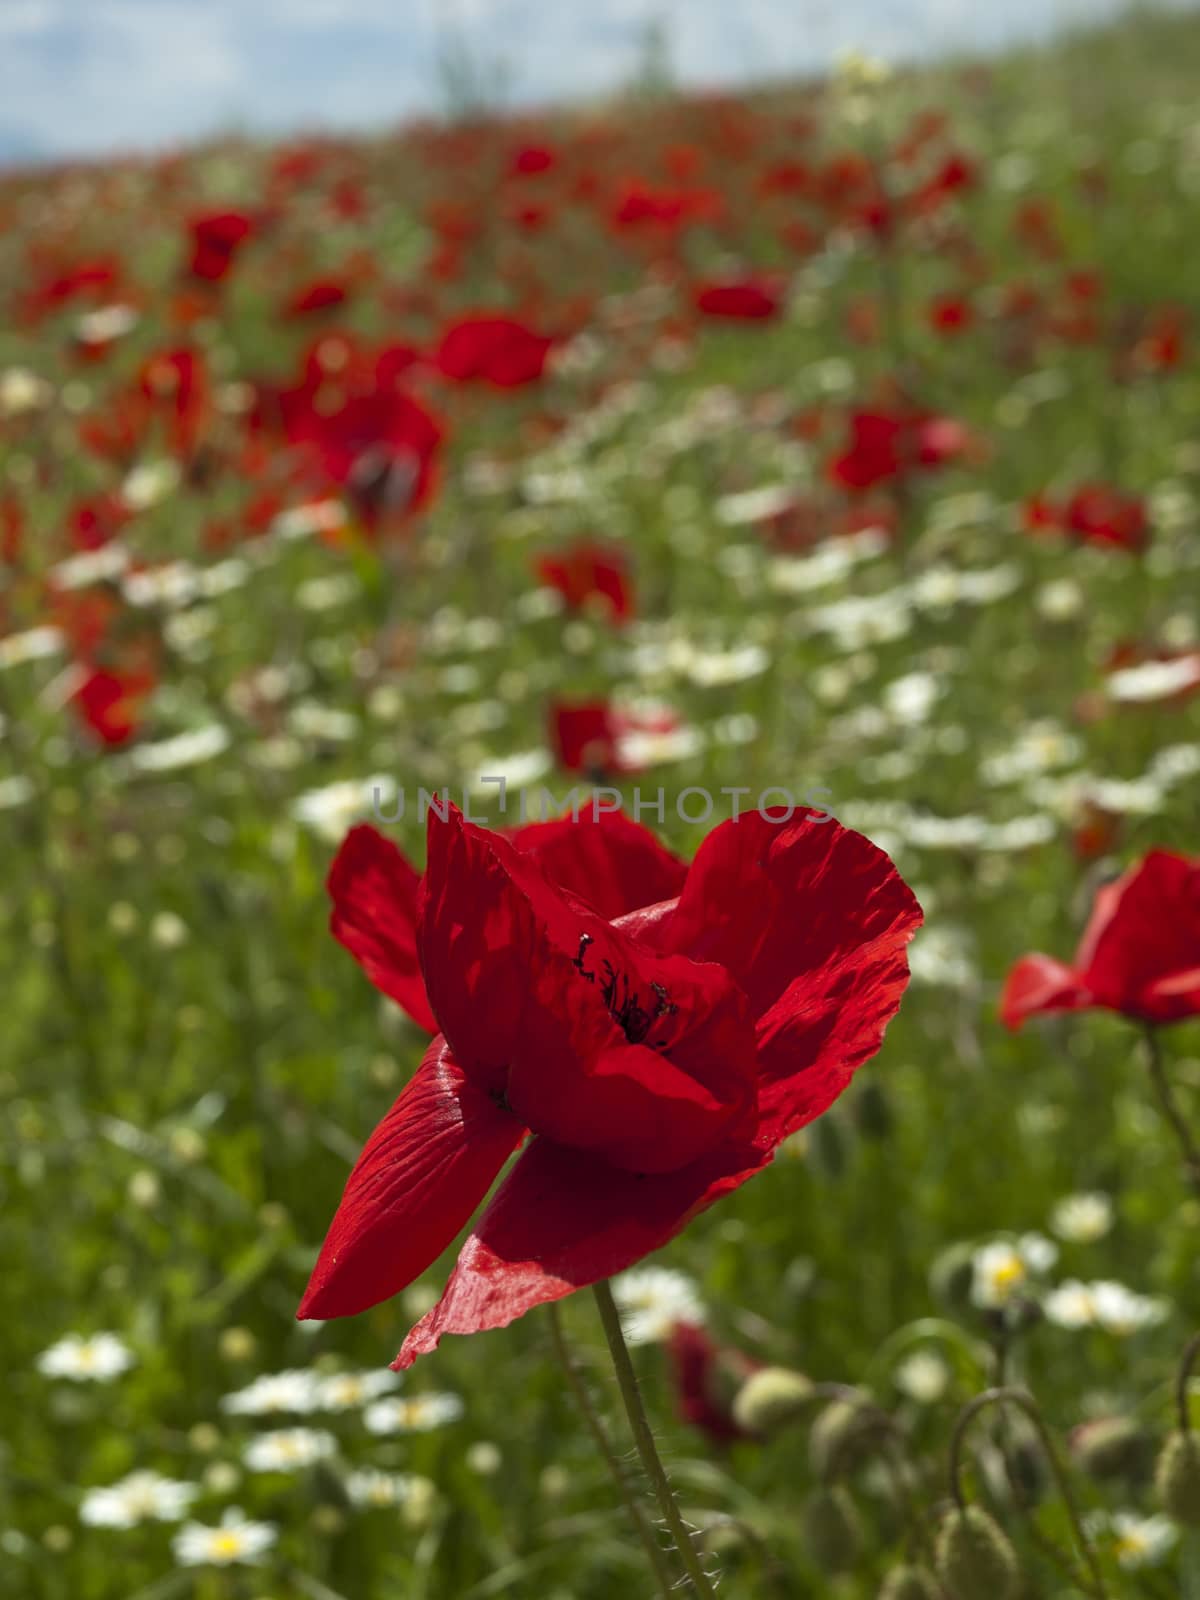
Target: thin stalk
645	1533
1186	1363
1169	1107
1028	1405
644	1439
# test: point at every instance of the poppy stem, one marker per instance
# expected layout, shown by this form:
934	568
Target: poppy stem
1169	1107
644	1439
654	1552
1183	1381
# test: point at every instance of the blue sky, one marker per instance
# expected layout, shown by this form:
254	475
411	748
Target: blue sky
91	76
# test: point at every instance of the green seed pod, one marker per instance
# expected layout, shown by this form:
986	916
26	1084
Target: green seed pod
769	1398
952	1275
1113	1448
975	1557
828	1147
908	1583
873	1111
832	1530
1177	1478
842	1437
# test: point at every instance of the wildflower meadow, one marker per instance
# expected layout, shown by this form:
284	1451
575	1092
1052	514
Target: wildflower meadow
599	752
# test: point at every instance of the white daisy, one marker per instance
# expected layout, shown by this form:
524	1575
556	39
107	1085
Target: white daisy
288	1449
235	1541
419	1413
1003	1268
140	1497
295	1392
343	1391
370	1487
97	1358
184	750
652	1300
1133	1540
1082	1218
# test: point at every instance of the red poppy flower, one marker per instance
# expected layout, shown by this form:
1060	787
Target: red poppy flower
611	861
110	703
380	446
884	446
586	570
1140	952
653	1062
584	737
532	159
495	350
746	300
706	1377
1094	514
216	239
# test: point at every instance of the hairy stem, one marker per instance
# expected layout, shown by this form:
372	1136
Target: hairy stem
654	1552
1169	1107
644	1439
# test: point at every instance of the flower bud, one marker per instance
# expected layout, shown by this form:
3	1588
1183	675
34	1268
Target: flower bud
769	1398
1177	1478
975	1557
908	1583
873	1111
827	1147
1112	1448
842	1438
832	1531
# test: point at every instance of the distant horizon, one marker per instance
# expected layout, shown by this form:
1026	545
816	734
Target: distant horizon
86	79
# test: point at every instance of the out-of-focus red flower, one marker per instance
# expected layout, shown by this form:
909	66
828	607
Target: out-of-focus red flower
611	861
216	239
532	159
741	299
1094	514
322	294
951	313
885	446
584	737
493	349
587	571
379	446
649	1065
175	382
110	703
706	1376
1140	952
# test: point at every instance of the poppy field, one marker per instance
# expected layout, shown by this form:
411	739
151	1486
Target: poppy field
599	751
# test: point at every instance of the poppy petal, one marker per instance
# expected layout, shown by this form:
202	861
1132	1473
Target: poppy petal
773	899
1038	984
422	1173
604	857
563	1219
374	892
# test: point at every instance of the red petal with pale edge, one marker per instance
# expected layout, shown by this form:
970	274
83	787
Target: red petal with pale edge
1037	984
563	1219
374	893
424	1170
